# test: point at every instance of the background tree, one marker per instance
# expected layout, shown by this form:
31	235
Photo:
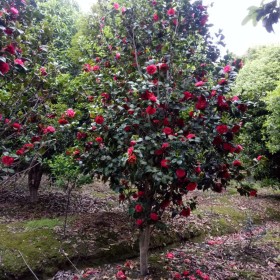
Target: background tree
272	123
259	76
32	57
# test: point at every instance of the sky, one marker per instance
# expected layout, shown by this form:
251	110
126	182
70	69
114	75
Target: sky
228	15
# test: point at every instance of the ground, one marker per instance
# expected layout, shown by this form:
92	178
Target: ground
227	237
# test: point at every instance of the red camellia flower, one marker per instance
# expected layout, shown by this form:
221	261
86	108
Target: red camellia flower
177	275
62	121
70	113
166	121
7	160
19	62
237	163
154	216
185	212
163	67
16	126
116	6
49	129
165	145
20	152
87	67
201	103
155	17
190	136
259	158
170	256
203	20
199	84
222	103
235	128
167	130
99	140
10	49
133	143
132	159
118	56
191	186
235	98
43	71
253	193
222	128
228	147
4	67
95	68
222	81
105	96
139	194
164	163
120	274
165	204
159	152
35	139
28	146
227	68
151	110
138	208
238	149
187	95
217	141
127	128
152	97
90	98
14	11
81	135
197	169
130	150
99	119
121	197
171	12
139	222
151	69
242	107
180	173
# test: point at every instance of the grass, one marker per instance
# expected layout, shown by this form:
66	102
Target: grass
43	223
37	242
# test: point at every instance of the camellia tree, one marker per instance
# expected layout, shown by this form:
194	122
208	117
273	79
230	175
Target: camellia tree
23	131
30	61
161	123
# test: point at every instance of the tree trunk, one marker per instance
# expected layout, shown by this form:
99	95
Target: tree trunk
34	179
144	242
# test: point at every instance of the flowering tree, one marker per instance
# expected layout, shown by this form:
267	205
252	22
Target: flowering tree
28	88
162	123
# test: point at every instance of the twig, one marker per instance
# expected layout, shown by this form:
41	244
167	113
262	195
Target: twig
65	255
136	53
28	265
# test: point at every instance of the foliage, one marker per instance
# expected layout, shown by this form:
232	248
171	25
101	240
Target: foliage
66	172
272	123
161	125
268	13
149	110
259	75
32	57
